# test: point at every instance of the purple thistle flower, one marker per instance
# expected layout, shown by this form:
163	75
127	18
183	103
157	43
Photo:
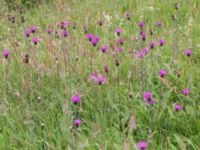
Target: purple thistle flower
121	41
141	24
145	50
64	33
6	53
120	49
48	31
100	80
90	36
161	42
74	26
177	107
163	73
93	76
128	17
117	62
35	40
152	44
33	29
142	145
107	68
77	122
143	36
64	24
56	34
186	91
103	49
188	52
147	95
94	42
158	24
75	99
140	54
27	33
118	31
150	101
97	38
100	22
26	58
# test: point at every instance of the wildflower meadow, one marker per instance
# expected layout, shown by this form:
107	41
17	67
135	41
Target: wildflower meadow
100	75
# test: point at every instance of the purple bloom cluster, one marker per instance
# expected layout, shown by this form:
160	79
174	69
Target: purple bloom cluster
142	53
97	78
64	24
148	97
94	39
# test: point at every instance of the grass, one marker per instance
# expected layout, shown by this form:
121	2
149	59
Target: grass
35	107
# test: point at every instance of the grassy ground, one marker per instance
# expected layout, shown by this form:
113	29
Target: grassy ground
36	111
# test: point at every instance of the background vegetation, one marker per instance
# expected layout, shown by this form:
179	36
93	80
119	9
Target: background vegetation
36	111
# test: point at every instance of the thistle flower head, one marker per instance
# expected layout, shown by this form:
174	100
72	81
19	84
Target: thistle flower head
186	91
140	54
141	24
33	29
142	145
147	95
146	50
143	36
188	52
106	68
103	48
150	101
77	122
116	62
94	42
6	53
100	80
118	31
163	73
120	49
27	33
128	17
161	42
90	36
177	107
152	45
64	33
158	24
64	24
35	40
100	22
76	99
121	41
48	31
26	58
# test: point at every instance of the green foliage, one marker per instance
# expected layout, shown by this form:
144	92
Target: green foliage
35	107
14	4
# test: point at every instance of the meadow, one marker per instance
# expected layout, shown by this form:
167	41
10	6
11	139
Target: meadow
100	75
